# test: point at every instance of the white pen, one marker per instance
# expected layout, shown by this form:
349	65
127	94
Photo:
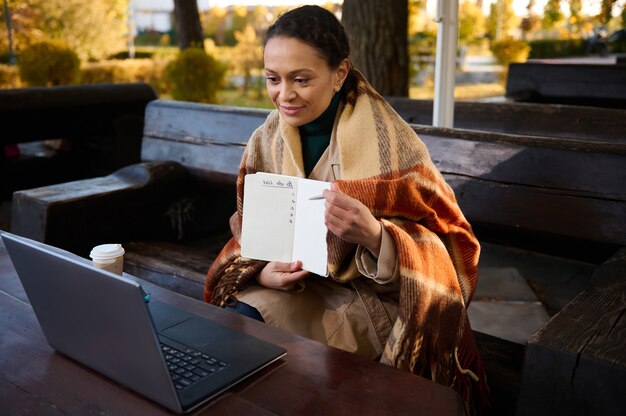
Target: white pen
316	197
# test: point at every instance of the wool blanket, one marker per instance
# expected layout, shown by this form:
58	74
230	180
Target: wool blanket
387	167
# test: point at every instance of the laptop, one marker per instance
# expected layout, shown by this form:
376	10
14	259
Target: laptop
108	323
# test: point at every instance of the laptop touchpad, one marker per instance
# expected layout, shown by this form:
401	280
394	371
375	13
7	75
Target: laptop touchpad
165	315
199	333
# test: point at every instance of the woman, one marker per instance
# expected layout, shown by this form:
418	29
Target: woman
402	259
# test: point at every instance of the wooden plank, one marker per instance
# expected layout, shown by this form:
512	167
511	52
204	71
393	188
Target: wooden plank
544	210
576	84
122	206
524	183
178	267
595	171
576	364
201	123
549	120
503	362
208	160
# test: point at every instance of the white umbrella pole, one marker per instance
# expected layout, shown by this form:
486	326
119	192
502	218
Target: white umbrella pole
445	63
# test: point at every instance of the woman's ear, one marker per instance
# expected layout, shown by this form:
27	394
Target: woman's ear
342	73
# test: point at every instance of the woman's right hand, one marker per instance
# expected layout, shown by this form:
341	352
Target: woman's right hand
282	276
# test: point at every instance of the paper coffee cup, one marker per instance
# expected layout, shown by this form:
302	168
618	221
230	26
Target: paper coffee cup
108	257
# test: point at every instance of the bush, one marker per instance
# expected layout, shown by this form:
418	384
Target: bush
116	71
507	51
510	50
48	64
195	76
557	48
9	77
130	70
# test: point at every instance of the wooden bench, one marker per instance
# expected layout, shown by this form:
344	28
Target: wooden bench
533	119
180	197
595	85
100	126
561	198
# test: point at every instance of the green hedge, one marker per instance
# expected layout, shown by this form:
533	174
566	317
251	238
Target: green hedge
618	46
557	48
120	71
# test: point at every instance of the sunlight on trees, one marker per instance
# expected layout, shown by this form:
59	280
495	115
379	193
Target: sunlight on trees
471	22
247	56
94	29
97	30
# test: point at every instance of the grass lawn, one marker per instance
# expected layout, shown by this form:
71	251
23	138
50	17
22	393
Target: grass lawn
468	92
237	98
255	99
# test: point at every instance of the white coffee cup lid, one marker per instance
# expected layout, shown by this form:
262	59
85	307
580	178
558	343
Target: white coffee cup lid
106	251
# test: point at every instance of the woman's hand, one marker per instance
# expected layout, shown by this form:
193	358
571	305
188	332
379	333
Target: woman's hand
282	276
352	221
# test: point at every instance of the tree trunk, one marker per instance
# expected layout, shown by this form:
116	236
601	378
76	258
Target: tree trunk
187	21
378	31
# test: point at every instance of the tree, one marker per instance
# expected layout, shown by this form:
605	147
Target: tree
378	31
606	8
259	18
575	19
187	23
471	22
93	28
501	20
552	14
214	24
417	17
530	22
247	55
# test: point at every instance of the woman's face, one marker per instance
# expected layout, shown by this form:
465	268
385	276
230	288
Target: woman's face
299	80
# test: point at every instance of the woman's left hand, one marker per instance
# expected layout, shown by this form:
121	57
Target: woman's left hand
352	221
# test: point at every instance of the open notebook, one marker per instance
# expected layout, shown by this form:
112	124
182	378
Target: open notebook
282	223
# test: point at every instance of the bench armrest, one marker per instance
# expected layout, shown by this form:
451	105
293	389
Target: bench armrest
578	357
128	204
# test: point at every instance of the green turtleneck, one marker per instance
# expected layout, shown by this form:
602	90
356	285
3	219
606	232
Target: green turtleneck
315	136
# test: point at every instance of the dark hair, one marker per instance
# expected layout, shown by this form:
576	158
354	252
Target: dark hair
318	28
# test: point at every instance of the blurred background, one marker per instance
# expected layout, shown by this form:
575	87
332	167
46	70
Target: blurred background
210	51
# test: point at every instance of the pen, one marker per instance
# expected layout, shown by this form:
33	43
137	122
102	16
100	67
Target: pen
316	197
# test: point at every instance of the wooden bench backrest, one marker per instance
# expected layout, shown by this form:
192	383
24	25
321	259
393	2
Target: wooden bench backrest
560	187
577	122
207	139
598	85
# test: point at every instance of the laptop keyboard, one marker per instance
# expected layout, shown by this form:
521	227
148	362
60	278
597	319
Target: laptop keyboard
188	366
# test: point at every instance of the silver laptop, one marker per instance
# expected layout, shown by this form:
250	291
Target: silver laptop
108	323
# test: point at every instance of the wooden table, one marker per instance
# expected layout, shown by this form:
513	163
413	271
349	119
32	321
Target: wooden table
312	379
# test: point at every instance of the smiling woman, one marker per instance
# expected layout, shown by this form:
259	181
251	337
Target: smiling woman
402	259
299	81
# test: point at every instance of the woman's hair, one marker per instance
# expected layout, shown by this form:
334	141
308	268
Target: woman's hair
318	28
